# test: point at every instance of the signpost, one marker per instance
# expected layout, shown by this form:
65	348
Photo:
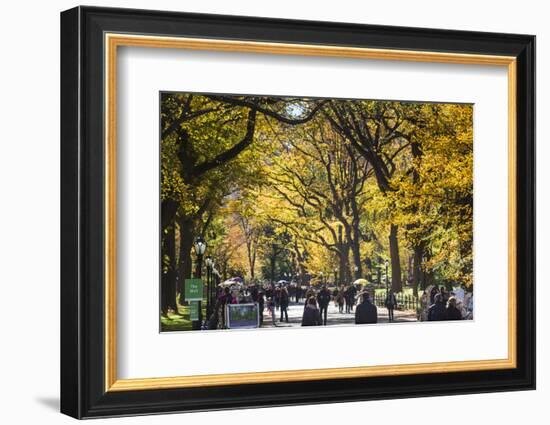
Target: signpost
193	289
194	310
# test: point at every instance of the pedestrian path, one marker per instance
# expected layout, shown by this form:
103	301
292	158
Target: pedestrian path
334	317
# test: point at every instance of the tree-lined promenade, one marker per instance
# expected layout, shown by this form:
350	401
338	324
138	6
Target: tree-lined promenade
315	191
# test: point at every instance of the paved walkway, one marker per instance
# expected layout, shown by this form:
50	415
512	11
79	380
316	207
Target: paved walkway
334	317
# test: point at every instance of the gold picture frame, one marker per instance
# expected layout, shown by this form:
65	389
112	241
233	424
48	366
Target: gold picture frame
91	39
114	41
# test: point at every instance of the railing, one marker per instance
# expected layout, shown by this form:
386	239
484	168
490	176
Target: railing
404	301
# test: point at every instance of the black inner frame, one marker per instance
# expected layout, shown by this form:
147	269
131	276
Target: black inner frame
82	212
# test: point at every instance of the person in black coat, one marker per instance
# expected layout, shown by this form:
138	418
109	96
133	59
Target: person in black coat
298	294
352	293
391	303
437	310
284	301
311	316
324	300
433	293
347	299
452	313
366	312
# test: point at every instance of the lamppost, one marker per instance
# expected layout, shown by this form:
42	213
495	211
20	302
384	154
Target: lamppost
200	247
209	263
387	286
356	269
322	279
213	286
215	282
336	276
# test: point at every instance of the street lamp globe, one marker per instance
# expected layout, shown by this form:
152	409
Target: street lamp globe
209	261
200	246
386	263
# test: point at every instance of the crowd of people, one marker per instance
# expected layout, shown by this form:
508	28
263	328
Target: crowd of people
438	304
273	301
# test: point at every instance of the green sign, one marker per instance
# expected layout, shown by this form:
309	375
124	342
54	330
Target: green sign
193	289
194	310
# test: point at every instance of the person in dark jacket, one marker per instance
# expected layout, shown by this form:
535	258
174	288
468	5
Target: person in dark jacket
277	297
339	299
452	313
391	303
433	293
269	292
352	293
324	300
284	301
366	312
437	310
311	316
444	295
298	294
347	297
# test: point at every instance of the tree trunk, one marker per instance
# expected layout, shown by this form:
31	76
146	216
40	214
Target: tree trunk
417	267
168	250
251	253
343	256
168	298
355	239
396	284
355	249
273	260
185	262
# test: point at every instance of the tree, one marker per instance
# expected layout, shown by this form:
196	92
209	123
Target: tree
205	147
322	175
380	131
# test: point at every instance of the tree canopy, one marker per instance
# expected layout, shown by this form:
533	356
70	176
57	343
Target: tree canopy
316	189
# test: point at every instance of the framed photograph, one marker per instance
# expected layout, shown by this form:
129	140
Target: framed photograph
261	212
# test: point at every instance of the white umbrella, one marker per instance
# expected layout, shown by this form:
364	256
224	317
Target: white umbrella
230	282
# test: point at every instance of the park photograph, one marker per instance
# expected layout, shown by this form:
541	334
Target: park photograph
284	211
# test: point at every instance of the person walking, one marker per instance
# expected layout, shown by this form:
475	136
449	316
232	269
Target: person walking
346	299
433	292
366	311
311	316
261	303
444	294
298	293
423	316
269	291
340	300
437	310
323	298
284	301
452	312
352	293
277	297
391	303
271	310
